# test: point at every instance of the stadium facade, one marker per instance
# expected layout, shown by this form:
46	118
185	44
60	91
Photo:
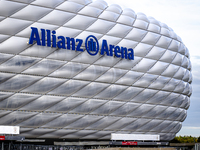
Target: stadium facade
80	69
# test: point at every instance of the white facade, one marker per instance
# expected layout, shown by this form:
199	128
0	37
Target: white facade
59	93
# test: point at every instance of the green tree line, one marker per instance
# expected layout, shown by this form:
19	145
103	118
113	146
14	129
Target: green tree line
186	139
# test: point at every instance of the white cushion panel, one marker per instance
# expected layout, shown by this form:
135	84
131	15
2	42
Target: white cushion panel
144	95
17	101
39	120
91	73
6	26
142	49
129	94
111	92
44	67
108	15
90	11
5	57
145	80
119	31
18	82
140	24
27	31
37	51
165	32
174	45
156	53
142	16
144	65
17	116
83	2
70	7
168	56
178	59
136	34
127	64
44	85
63	121
185	62
99	4
171	85
62	54
18	45
7	8
158	68
42	103
85	22
91	90
18	63
52	17
130	77
128	43
182	48
112	75
180	73
104	61
101	26
154	28
123	19
107	108
86	58
114	8
159	83
163	42
27	13
151	38
69	70
67	105
129	12
84	109
51	3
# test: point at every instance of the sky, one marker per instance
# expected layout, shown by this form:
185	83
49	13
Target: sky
183	16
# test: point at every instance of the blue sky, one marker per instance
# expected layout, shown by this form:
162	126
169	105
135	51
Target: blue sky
183	16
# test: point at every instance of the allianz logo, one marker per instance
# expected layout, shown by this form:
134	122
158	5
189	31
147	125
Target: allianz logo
48	38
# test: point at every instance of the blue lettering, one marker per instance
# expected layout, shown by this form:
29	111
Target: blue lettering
117	51
34	36
70	41
104	48
130	54
61	43
124	52
43	34
111	49
53	39
48	38
91	44
78	47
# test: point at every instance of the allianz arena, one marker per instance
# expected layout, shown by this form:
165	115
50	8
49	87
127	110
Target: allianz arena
80	69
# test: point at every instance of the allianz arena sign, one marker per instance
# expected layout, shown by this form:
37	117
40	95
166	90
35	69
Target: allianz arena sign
91	44
122	73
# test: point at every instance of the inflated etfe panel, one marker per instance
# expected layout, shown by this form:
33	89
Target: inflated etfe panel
52	91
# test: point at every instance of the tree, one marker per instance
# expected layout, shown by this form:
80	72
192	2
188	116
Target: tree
185	139
198	140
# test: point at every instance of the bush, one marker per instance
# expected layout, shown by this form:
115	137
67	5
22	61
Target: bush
185	139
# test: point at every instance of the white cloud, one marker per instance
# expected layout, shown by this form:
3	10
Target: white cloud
193	131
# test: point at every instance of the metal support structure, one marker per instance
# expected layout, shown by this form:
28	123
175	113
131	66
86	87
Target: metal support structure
9	145
197	146
2	146
20	146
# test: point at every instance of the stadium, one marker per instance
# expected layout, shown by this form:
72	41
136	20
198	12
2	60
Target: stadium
82	70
